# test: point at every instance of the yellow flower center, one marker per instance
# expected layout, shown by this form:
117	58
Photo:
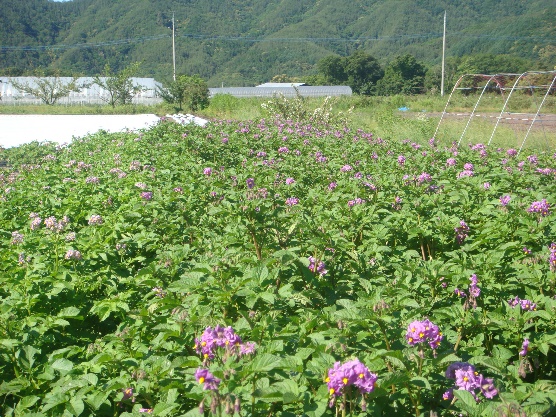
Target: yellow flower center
361	376
331	391
345	381
465	379
327	379
203	343
421	334
201	380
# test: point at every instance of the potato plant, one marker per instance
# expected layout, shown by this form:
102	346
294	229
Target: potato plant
272	268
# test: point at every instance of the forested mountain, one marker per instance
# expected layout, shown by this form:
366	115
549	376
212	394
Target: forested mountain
245	42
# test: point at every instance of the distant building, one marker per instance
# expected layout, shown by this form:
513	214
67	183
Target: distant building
280	85
89	90
272	89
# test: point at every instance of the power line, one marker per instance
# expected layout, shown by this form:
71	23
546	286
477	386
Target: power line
248	39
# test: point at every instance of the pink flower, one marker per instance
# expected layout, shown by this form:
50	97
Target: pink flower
209	381
292	201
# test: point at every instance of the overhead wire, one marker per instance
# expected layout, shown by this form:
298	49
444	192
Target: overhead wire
265	39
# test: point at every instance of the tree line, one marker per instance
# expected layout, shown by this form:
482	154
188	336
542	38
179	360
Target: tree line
405	74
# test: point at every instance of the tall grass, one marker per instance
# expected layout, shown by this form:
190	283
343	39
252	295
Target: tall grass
380	115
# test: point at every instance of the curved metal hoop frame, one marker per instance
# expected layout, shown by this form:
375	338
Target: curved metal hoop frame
514	87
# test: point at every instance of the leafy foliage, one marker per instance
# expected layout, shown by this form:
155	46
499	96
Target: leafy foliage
318	244
48	89
404	75
118	85
191	92
215	39
285	109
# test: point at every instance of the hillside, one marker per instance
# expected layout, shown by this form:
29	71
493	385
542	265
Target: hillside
244	42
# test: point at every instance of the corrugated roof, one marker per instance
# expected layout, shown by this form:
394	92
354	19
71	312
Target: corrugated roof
8	90
274	85
304	91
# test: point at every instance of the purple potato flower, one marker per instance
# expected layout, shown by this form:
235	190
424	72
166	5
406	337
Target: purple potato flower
552	257
467	378
423	331
319	268
222	337
542	207
292	201
504	200
461	232
524	347
352	373
147	195
96	219
209	381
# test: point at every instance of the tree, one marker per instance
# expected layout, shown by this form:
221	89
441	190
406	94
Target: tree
492	64
486	65
48	89
189	91
332	68
360	71
363	71
118	85
404	75
433	76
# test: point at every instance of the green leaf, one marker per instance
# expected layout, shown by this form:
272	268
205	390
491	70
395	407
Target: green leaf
315	409
467	401
264	362
304	353
69	312
62	365
172	395
544	348
163	409
14	386
26	356
90	378
394	378
96	399
268	297
9	343
75	406
27	402
395	357
419	381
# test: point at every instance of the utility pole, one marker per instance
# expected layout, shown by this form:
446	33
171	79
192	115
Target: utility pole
174	44
443	56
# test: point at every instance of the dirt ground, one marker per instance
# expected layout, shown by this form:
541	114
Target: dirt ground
523	119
